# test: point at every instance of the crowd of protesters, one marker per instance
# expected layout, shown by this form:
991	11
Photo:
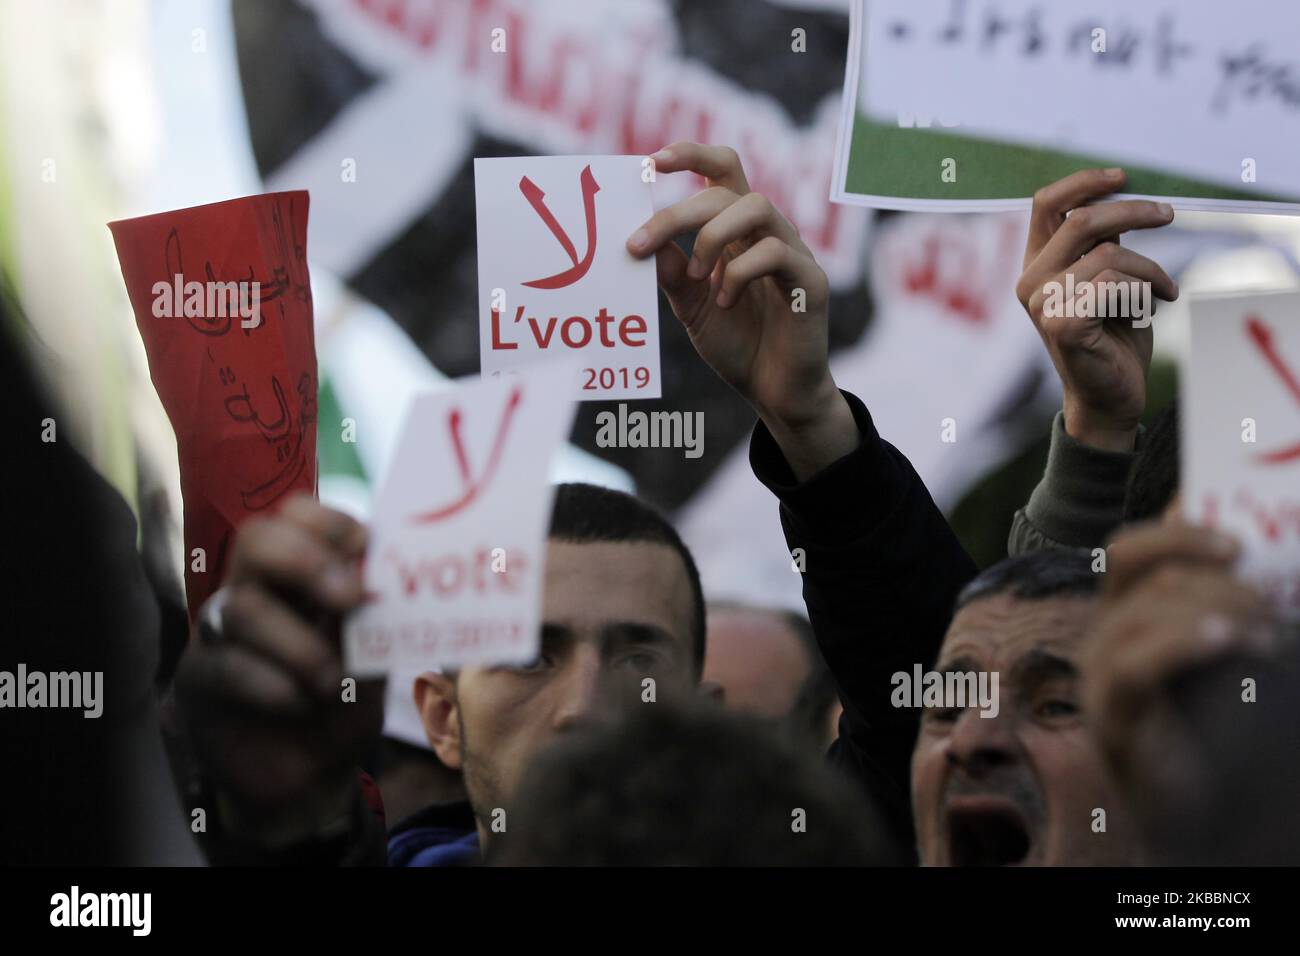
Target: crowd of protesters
1119	634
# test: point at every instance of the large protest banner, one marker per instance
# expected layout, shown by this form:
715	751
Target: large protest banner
1241	433
410	94
973	106
222	299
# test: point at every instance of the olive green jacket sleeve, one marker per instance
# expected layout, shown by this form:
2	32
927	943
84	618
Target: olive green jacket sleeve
1080	499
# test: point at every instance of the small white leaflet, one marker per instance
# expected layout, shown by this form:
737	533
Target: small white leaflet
469	476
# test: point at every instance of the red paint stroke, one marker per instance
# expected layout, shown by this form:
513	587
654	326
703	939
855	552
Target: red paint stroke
537	199
473	487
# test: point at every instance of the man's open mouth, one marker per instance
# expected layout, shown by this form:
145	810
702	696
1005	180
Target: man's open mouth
983	834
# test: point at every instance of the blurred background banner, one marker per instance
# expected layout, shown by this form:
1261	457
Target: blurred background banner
380	108
117	109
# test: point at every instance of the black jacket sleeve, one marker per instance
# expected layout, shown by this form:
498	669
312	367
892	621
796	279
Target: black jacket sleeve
881	572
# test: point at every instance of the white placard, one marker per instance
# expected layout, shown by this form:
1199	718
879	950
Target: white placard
457	541
555	276
1196	88
1241	432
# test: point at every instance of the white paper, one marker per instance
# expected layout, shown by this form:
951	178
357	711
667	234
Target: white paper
939	76
549	289
458	535
1194	87
1241	433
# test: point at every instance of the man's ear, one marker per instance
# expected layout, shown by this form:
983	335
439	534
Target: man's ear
712	691
435	699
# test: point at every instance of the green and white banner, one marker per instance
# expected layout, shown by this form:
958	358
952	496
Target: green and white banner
958	106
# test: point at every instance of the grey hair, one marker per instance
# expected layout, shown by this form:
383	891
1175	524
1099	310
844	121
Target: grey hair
1034	575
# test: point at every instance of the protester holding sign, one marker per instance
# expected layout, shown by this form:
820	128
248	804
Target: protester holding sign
881	567
439	610
279	744
621	618
754	302
275	741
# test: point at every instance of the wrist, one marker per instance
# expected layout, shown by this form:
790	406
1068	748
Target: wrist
1098	431
817	433
806	414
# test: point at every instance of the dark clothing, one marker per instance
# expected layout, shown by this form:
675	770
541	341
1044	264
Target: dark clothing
1080	500
882	574
441	835
357	840
90	784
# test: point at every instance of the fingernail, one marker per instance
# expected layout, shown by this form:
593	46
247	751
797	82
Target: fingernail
695	269
1166	210
663	156
640	239
723	299
1114	172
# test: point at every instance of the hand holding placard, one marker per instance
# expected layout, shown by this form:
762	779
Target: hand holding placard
754	302
222	299
458	532
275	728
1102	358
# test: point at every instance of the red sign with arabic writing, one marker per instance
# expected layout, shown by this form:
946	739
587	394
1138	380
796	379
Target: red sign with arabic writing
239	384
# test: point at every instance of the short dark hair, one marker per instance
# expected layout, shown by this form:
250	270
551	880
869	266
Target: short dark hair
584	513
693	786
1034	575
1153	480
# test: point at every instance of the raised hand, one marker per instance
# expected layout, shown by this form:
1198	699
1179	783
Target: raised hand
1102	360
263	699
754	302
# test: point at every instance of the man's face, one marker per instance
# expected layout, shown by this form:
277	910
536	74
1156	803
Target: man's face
758	661
614	614
1020	787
